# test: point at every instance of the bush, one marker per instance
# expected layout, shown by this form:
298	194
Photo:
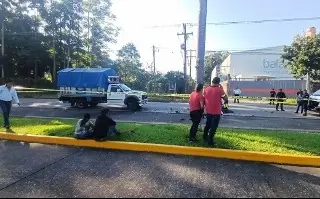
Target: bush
31	83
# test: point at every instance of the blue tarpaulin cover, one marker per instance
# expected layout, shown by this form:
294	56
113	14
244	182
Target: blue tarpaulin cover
85	77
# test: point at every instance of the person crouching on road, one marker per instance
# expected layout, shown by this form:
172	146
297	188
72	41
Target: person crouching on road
213	95
104	125
8	96
281	97
196	105
305	101
84	128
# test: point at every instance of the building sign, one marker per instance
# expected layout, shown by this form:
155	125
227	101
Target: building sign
275	68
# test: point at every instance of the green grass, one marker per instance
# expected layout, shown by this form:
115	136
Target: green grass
284	142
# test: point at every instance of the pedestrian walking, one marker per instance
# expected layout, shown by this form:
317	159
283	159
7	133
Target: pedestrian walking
272	96
236	93
281	96
299	101
8	96
305	101
213	95
196	105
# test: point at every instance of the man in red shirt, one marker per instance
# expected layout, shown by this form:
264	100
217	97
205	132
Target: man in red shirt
213	95
196	105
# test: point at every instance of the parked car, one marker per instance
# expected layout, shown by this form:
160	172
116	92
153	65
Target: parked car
314	101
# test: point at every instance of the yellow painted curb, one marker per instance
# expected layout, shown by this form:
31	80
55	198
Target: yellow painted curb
313	161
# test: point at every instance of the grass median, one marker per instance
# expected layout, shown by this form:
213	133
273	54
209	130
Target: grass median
284	142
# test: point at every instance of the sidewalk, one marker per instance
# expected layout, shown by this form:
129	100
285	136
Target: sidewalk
35	170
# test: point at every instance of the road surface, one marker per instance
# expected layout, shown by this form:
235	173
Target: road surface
35	170
260	117
242	109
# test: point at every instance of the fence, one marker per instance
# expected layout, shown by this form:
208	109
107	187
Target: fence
263	88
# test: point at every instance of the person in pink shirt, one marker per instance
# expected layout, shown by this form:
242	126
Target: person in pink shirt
196	105
213	95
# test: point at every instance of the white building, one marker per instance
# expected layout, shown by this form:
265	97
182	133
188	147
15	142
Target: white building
254	65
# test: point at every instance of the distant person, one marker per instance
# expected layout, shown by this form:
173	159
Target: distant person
196	105
281	97
8	96
104	125
305	101
299	94
272	96
84	128
299	101
213	95
236	93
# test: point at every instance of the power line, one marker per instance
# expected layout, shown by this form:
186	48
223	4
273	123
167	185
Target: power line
240	22
265	21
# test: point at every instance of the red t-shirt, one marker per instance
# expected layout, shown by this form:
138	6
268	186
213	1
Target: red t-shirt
213	97
195	101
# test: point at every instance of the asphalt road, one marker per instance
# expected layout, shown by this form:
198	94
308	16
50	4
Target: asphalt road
302	124
35	170
242	109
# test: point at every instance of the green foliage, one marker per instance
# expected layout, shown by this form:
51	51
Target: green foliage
303	56
211	61
285	142
81	31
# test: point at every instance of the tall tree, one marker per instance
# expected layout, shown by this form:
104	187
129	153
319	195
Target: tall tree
303	57
99	29
211	61
128	63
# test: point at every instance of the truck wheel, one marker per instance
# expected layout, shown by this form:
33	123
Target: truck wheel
81	104
133	105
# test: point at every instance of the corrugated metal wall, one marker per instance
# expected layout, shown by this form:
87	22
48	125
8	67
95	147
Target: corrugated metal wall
263	88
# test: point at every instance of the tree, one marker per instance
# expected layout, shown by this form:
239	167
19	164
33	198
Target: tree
99	29
211	61
303	57
128	64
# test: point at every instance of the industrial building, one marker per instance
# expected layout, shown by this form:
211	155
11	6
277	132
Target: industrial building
256	72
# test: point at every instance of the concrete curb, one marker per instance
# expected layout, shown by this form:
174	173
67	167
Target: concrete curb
313	161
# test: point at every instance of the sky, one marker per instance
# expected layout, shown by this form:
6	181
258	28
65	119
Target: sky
137	19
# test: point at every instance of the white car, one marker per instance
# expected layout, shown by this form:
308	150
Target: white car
314	101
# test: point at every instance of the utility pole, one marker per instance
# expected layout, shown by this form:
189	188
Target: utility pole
201	40
154	49
190	60
54	71
184	48
2	46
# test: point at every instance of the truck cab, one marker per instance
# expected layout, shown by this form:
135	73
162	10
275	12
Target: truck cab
120	94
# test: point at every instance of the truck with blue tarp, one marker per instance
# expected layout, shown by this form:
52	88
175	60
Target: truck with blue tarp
84	87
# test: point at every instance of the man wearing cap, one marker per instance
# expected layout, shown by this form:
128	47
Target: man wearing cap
213	95
8	96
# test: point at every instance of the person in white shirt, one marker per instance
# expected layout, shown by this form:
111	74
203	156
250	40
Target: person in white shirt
8	96
84	128
236	94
